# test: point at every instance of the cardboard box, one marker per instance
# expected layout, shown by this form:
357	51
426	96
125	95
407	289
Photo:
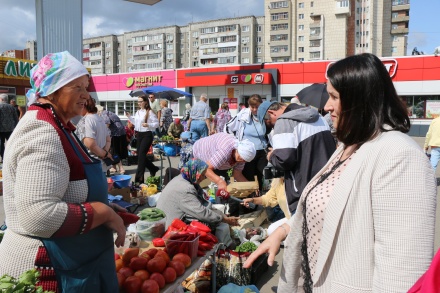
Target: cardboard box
242	189
125	192
254	219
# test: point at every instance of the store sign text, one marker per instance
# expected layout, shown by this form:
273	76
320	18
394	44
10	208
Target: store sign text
390	65
22	69
142	81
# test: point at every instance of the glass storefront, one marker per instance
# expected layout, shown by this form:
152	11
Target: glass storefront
417	106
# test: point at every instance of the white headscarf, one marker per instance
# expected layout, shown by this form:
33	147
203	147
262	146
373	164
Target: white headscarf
246	150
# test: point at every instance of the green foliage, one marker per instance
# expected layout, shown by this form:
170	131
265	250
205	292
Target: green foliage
153	180
246	247
230	172
24	284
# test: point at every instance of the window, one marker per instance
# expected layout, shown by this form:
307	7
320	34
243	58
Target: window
394	14
226	28
301	16
245	28
394	49
278	4
301	49
301	59
279	49
195	63
169	46
207	30
259	28
170	56
107	45
258	60
301	27
394	27
209	41
311	5
244	49
195	34
245	60
259	39
195	43
283	37
244	40
209	51
227	49
395	38
108	62
301	5
226	39
315	55
278	16
315	31
170	37
226	60
300	38
279	26
258	50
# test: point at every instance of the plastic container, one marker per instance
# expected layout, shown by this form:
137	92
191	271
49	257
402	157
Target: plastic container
149	230
188	247
121	181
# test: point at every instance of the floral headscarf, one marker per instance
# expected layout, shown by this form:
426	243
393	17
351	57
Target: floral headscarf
54	71
193	169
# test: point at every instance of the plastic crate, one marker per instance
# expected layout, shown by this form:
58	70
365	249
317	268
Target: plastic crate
178	246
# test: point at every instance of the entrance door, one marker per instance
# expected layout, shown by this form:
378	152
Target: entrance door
214	104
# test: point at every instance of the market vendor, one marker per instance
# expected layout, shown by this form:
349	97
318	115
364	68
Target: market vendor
175	129
221	152
56	202
183	198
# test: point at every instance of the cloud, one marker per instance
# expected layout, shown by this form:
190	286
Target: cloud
104	17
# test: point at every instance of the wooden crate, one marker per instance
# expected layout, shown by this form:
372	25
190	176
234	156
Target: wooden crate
242	189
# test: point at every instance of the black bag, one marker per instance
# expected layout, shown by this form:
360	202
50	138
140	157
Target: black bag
109	161
133	143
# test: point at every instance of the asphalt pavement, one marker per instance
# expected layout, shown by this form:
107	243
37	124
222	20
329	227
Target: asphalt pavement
269	280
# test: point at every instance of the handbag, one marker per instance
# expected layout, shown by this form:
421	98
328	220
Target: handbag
230	269
133	142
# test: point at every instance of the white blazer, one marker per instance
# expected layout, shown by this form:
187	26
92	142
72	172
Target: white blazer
378	233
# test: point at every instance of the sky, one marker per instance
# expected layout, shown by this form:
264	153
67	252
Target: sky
104	17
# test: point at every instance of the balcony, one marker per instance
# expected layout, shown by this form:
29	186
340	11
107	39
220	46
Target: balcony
315	25
402	18
342	7
398	5
400	30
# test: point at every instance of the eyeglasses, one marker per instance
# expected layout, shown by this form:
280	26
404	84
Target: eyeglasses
151	96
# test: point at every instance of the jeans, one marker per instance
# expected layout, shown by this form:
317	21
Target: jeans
435	157
199	128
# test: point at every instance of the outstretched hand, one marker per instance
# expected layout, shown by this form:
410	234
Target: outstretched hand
271	245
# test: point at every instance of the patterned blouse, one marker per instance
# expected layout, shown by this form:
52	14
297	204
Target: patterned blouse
221	118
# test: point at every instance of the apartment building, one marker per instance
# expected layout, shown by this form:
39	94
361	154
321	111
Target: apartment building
290	30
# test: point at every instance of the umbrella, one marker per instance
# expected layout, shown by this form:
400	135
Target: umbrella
314	95
161	92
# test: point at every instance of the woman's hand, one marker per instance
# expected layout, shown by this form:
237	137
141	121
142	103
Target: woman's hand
221	184
144	124
246	201
128	114
117	208
231	221
271	245
116	224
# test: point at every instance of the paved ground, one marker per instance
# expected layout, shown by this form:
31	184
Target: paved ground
269	280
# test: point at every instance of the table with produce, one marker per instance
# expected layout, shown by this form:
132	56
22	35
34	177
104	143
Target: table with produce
155	260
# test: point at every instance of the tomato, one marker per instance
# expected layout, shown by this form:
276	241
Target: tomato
150	286
126	271
142	274
132	284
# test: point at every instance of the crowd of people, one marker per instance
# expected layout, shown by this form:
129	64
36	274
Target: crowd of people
358	195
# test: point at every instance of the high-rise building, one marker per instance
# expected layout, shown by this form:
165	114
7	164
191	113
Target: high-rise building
291	30
30	52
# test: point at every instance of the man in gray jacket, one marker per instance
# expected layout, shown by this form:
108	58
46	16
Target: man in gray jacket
8	121
302	144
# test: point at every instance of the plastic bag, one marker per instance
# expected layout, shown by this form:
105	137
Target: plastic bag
230	268
200	280
150	230
232	288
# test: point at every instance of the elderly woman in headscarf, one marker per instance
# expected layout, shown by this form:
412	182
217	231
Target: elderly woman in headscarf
55	193
221	152
183	198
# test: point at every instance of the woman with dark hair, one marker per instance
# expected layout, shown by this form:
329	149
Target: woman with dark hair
366	221
145	122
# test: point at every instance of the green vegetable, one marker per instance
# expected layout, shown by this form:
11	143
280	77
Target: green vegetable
151	214
246	247
153	180
24	284
167	138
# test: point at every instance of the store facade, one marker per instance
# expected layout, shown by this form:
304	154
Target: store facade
14	78
416	78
